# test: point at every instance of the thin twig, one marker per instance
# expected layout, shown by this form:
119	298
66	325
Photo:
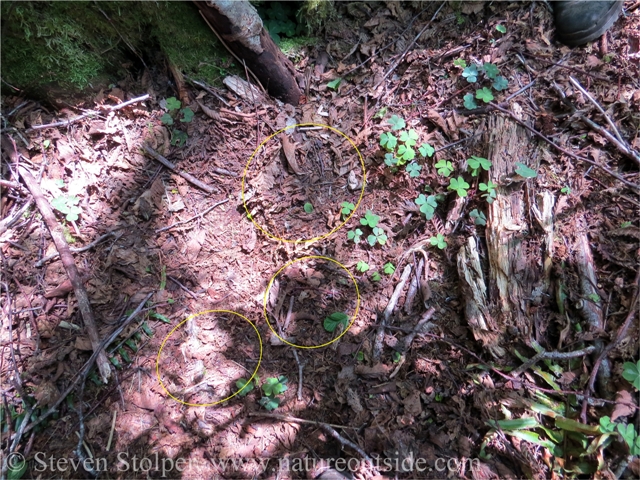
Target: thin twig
288	418
295	352
208	89
113	427
409	47
187	176
544	355
89	246
377	344
199	215
86	368
565	151
70	267
576	84
110	108
622	333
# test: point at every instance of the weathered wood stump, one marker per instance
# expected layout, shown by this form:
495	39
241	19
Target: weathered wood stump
238	24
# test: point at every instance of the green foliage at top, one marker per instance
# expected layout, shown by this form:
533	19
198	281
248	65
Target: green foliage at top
279	18
473	73
71	45
459	186
477	163
389	268
347	208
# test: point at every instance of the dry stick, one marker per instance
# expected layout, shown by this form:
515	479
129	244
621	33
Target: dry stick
544	355
89	113
419	328
295	353
89	246
622	333
70	267
627	152
231	51
568	67
287	418
113	427
199	215
325	426
84	371
187	176
208	89
406	50
377	344
576	83
566	152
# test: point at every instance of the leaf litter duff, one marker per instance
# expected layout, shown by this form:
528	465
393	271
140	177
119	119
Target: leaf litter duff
295	151
185	376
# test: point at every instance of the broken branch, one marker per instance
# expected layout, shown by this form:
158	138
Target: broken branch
70	267
187	176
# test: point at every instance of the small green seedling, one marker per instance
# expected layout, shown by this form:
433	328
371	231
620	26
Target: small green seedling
501	28
381	113
355	235
478	217
631	373
178	138
332	321
471	73
275	386
67	205
269	403
626	224
405	153
427	205
390	160
490	70
46	144
459	186
334	84
565	190
389	268
362	266
396	357
378	236
606	425
308	208
469	102
245	386
460	63
347	208
594	297
375	277
524	171
360	356
388	140
413	169
476	163
426	150
159	316
184	115
490	189
396	122
500	83
370	219
438	241
444	167
484	94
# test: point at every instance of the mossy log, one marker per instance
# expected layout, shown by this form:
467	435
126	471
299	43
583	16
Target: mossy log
240	27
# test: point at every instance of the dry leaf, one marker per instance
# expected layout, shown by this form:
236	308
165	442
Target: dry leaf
622	409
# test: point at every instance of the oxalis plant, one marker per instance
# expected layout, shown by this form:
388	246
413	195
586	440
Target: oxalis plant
369	220
488	78
401	145
272	387
174	112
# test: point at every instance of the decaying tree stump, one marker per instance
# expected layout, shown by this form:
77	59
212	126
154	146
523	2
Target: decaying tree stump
238	24
501	302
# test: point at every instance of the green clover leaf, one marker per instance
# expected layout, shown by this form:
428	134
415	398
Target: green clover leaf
490	70
426	150
334	84
388	140
470	73
173	103
396	122
444	167
332	321
459	185
370	219
484	94
409	138
469	102
500	83
427	205
389	268
413	169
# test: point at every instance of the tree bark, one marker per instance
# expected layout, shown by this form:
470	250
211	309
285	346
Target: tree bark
238	24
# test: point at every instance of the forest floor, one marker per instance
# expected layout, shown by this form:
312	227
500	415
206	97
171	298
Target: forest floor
354	239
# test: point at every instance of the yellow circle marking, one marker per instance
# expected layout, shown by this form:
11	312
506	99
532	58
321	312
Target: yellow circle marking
182	323
246	170
266	296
